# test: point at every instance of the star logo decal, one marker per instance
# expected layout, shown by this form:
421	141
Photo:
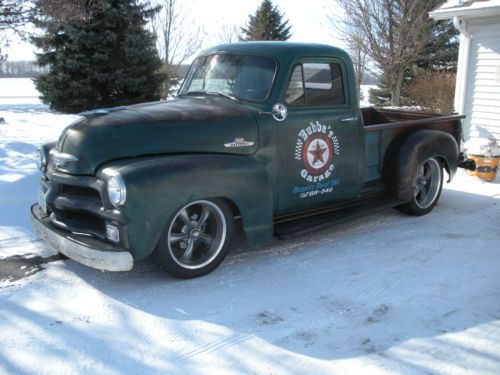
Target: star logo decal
318	153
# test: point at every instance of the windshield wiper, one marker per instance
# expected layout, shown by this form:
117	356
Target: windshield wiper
220	93
226	95
193	93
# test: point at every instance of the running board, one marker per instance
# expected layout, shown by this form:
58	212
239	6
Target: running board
303	225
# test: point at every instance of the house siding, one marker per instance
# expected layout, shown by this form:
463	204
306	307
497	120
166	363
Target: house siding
482	101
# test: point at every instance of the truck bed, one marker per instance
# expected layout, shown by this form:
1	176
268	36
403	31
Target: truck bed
383	125
380	119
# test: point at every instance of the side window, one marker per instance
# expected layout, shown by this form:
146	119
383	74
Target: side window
295	92
321	85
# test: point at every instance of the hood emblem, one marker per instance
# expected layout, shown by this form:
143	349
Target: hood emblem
239	142
60	159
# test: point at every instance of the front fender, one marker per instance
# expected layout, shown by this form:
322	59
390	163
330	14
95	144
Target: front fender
404	155
158	186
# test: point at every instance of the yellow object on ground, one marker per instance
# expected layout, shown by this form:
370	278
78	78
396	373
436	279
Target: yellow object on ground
486	166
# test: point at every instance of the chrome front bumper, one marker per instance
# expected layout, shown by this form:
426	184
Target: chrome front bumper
81	249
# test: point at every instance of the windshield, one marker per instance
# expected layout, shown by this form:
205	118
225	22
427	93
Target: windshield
239	76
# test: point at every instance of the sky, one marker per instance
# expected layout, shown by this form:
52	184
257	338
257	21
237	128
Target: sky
308	20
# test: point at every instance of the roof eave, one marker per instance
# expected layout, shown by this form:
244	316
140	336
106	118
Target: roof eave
484	12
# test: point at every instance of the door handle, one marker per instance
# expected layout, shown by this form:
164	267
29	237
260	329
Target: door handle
348	119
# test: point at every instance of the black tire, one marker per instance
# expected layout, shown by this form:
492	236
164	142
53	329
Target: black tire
196	239
427	185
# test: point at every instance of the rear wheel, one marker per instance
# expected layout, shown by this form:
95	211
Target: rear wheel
196	239
427	185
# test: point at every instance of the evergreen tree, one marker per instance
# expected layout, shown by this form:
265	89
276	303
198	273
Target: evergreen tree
441	50
267	23
380	96
105	59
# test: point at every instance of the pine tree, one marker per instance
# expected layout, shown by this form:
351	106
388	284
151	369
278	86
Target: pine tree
106	59
267	23
380	96
441	50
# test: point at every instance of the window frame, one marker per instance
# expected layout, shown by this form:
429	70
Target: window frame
329	61
303	86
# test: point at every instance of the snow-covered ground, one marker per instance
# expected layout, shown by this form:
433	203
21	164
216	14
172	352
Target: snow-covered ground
387	293
26	124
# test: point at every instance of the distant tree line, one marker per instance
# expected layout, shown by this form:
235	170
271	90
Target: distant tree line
21	69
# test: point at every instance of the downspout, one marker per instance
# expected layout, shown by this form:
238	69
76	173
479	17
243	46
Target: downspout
462	75
463	68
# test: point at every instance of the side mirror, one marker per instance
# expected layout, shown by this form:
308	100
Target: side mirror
280	112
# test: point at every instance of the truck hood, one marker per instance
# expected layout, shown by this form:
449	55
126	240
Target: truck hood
187	125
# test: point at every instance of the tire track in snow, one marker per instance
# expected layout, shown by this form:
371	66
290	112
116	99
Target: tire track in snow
337	234
363	308
425	250
390	278
211	347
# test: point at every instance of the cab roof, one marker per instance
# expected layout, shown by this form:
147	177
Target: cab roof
279	50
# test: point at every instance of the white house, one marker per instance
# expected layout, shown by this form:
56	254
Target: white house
477	92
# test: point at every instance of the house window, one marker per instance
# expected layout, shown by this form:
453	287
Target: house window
316	84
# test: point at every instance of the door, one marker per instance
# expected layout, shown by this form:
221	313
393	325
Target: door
321	141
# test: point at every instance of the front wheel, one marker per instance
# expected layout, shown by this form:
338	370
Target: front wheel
427	186
196	239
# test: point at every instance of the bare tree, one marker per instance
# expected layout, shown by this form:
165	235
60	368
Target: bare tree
15	15
61	12
177	38
355	47
3	57
359	60
353	39
227	34
391	32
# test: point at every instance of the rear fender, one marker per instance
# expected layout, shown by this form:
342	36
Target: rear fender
405	154
158	186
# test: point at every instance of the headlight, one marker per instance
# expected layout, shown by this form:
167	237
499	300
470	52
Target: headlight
41	161
117	192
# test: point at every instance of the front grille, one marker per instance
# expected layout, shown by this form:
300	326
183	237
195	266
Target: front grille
80	191
78	204
83	222
75	203
76	209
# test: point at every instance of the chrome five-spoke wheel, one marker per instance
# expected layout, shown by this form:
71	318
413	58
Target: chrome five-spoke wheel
426	187
197	238
427	183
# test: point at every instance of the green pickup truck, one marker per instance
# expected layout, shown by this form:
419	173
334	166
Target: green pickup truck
268	134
